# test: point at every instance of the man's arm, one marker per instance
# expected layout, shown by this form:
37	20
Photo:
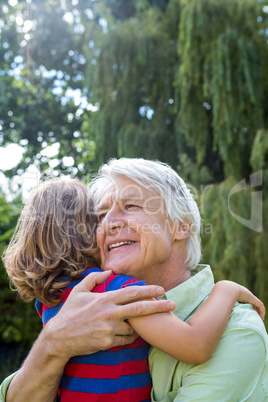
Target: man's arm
88	322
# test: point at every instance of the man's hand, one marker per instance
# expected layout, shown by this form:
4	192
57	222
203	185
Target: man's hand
89	322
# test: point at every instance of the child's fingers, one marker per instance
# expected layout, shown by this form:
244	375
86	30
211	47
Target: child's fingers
259	307
246	296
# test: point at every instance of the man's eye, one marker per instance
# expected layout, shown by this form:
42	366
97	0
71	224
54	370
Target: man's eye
129	206
101	216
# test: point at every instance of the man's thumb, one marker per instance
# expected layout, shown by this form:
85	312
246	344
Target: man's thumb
93	279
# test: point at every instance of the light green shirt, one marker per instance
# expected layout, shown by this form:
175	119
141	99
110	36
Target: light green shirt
4	387
238	369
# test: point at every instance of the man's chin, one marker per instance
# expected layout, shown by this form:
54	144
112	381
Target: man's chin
117	269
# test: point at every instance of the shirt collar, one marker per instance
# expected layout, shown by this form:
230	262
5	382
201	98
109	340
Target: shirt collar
189	294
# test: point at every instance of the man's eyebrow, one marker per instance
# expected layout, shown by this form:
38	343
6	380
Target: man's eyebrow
105	205
131	197
101	207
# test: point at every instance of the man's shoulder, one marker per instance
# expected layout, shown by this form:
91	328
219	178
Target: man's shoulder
4	386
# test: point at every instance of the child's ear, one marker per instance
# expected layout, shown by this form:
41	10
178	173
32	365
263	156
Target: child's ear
182	230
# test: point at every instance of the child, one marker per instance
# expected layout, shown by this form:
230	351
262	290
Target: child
53	249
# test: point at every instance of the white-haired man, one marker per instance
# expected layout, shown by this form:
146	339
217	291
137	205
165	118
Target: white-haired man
149	227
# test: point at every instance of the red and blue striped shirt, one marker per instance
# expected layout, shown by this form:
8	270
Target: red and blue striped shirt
118	374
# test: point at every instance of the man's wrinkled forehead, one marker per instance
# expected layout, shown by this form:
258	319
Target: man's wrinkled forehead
118	191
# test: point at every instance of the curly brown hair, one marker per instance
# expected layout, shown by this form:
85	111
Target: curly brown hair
54	240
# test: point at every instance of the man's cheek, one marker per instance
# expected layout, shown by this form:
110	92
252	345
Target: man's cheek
149	228
100	235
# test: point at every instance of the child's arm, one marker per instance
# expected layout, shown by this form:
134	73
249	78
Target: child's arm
195	341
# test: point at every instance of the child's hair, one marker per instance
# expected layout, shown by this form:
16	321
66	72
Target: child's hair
54	240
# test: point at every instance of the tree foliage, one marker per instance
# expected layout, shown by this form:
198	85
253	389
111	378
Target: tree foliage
135	113
181	81
19	322
234	250
222	81
38	69
16	323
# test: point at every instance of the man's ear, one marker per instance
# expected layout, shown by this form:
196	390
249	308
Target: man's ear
182	230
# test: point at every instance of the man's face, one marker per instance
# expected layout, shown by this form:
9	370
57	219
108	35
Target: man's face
134	235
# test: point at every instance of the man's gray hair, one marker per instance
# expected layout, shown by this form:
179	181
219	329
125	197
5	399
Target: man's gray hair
159	177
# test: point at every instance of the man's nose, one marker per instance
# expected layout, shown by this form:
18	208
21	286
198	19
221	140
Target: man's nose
113	219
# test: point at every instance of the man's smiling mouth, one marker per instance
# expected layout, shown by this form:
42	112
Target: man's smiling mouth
121	243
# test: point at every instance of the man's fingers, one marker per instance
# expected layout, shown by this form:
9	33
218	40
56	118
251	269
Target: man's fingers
92	280
131	294
146	307
124	340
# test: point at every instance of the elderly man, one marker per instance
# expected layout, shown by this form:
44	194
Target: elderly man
149	227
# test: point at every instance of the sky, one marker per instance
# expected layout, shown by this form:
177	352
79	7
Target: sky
10	156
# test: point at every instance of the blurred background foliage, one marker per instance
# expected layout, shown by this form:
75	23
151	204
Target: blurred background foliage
182	81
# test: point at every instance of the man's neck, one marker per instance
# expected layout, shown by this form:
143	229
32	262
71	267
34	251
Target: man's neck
171	276
175	270
176	280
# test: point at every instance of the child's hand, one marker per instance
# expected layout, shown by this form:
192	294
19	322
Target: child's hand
246	296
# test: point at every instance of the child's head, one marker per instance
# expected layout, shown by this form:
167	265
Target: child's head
54	239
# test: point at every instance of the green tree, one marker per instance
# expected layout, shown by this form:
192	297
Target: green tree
235	251
222	81
181	81
132	82
38	72
19	322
